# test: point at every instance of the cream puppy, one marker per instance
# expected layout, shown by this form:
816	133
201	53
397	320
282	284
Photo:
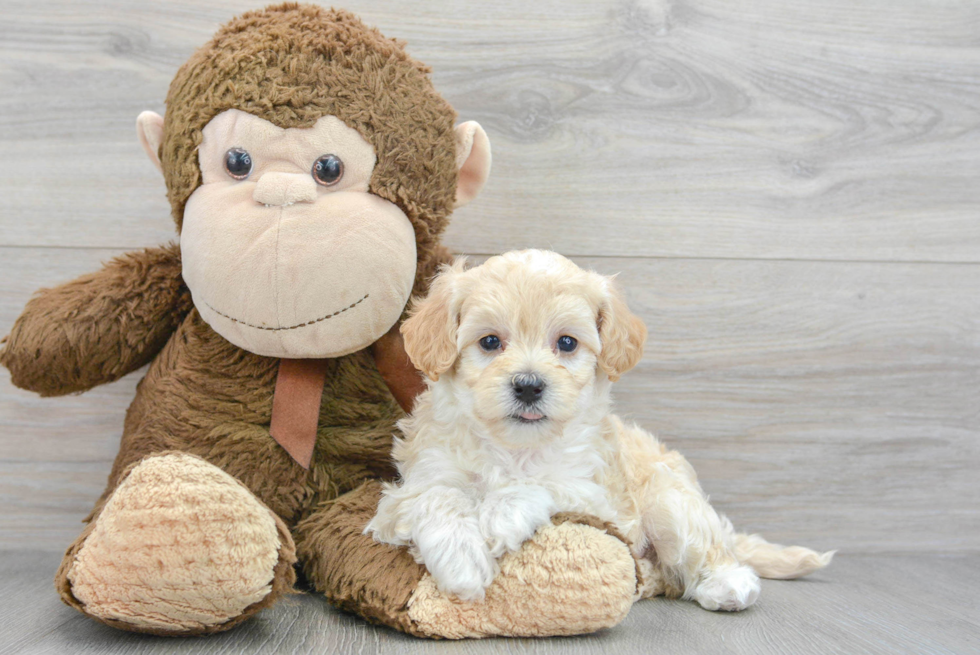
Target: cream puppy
515	426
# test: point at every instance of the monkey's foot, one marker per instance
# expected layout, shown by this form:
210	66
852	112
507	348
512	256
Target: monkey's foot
571	578
180	547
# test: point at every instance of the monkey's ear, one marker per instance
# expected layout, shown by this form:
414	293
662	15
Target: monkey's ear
472	159
621	333
430	333
149	129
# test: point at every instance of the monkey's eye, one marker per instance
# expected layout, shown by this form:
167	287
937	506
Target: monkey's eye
490	342
238	163
567	344
328	169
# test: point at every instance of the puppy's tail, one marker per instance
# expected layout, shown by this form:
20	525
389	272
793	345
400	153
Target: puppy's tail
778	562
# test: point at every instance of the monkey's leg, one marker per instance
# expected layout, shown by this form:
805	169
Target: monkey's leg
180	547
573	577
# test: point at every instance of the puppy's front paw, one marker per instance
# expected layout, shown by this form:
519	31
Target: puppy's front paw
459	561
510	516
728	589
472	574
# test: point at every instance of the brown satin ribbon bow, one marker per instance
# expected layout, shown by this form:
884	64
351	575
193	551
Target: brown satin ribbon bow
299	390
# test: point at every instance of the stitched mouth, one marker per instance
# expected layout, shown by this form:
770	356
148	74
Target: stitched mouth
326	317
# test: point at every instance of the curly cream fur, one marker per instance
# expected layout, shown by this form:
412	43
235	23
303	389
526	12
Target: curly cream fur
482	470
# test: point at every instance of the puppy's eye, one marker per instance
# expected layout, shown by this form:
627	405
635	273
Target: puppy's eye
238	163
490	342
567	344
327	170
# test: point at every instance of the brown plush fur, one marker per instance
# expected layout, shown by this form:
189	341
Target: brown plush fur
335	66
99	327
204	396
377	583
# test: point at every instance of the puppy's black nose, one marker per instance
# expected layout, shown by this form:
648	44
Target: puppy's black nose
528	387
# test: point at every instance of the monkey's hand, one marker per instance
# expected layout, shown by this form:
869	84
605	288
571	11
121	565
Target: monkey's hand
100	326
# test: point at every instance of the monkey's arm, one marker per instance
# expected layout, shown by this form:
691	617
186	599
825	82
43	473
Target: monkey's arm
99	327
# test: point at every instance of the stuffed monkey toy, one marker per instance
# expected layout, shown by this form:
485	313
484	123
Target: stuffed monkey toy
311	169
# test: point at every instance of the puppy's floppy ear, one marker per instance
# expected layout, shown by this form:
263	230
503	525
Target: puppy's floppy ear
430	332
621	333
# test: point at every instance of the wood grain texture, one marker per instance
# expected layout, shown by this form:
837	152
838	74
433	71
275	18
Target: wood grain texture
712	152
777	129
862	605
825	403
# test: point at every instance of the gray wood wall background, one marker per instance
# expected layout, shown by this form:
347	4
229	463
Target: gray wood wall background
789	189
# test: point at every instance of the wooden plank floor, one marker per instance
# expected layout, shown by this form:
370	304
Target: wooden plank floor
901	604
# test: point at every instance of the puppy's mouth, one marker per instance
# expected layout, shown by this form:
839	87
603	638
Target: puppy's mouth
529	417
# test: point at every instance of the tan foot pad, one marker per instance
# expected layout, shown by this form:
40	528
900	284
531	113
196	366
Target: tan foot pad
180	546
570	579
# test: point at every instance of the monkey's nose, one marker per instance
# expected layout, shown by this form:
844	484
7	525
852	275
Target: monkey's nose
281	189
528	388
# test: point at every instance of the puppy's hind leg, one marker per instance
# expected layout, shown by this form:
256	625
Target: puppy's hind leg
694	546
